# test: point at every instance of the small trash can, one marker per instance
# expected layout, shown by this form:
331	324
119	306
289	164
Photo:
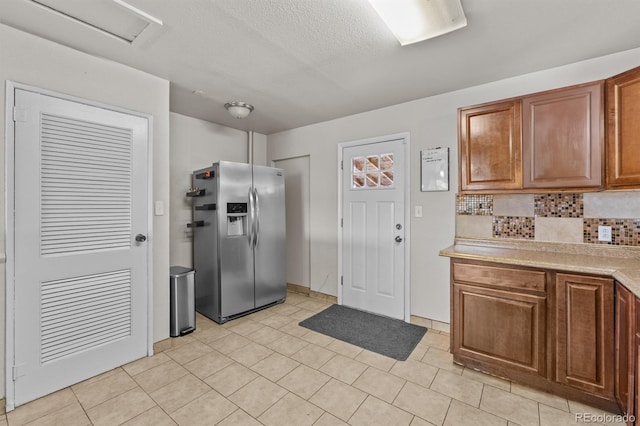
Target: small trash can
183	301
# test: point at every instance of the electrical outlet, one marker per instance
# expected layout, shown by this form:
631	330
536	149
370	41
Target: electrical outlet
604	233
418	211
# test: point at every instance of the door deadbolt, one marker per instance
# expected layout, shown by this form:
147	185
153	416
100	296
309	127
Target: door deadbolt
398	226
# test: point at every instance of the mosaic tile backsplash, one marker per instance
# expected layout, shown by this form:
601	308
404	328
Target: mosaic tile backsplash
624	232
514	227
562	210
558	205
477	205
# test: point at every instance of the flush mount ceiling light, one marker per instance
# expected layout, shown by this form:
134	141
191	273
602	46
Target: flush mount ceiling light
238	109
412	21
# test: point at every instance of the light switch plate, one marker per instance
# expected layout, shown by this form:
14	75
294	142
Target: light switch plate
604	233
418	211
159	208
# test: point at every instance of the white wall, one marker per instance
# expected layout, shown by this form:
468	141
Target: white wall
196	144
432	122
37	62
296	182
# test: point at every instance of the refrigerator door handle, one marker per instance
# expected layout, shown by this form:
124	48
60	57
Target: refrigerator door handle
257	217
250	213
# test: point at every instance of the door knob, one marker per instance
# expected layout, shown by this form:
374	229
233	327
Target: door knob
398	239
141	238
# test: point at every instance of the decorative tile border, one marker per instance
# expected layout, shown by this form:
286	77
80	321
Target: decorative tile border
624	232
518	227
559	205
477	205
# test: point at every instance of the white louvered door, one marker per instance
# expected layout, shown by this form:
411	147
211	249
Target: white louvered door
81	196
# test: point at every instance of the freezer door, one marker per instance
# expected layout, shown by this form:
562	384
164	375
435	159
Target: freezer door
205	246
235	239
270	235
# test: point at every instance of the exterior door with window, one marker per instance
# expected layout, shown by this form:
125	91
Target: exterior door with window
373	247
81	198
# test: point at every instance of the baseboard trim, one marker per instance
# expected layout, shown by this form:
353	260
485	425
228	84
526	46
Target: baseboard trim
431	324
324	297
300	289
295	288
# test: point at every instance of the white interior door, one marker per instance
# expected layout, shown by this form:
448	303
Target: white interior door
81	197
373	227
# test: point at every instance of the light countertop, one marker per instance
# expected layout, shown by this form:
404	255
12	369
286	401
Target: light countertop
621	263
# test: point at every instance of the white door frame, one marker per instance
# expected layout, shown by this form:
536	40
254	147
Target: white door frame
9	199
405	136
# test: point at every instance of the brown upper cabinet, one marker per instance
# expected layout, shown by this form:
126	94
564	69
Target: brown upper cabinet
623	130
490	146
548	140
563	137
554	140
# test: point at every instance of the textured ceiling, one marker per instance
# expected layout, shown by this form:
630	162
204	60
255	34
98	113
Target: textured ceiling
305	61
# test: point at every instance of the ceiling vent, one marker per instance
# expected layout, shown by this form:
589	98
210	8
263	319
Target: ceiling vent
112	17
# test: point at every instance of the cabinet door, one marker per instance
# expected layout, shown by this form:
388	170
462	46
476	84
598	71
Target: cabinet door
490	146
502	328
584	333
623	130
624	346
563	138
636	358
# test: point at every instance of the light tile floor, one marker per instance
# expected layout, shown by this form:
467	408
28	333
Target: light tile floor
266	369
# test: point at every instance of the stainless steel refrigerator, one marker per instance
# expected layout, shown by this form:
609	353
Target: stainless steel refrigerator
239	240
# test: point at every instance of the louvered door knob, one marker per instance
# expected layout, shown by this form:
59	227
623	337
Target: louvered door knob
141	238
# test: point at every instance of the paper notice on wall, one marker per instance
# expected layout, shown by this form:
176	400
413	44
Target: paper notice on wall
434	169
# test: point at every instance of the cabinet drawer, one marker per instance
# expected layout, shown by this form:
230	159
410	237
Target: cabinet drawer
501	277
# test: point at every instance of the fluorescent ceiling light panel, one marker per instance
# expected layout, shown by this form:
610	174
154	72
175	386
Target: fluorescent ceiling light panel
113	17
416	20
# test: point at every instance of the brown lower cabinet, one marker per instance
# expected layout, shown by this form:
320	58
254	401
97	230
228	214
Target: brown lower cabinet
546	329
500	317
625	333
584	333
501	327
636	361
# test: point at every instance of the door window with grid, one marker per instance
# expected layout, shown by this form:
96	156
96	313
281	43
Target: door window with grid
372	171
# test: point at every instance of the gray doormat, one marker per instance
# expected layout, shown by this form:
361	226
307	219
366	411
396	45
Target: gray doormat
386	336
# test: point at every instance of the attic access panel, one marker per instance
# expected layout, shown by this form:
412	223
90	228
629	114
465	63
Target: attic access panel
113	17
